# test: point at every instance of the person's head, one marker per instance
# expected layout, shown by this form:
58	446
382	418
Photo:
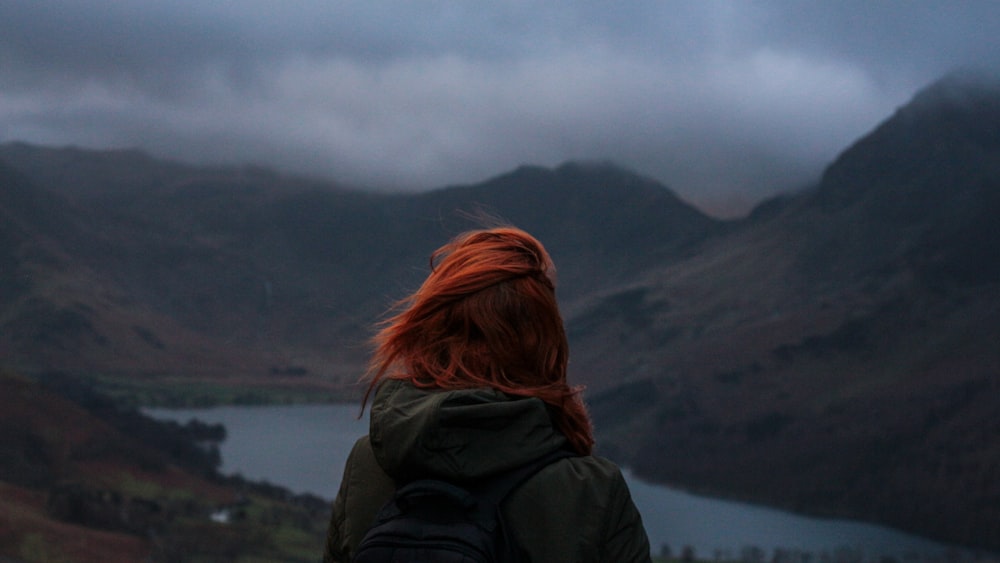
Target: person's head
486	316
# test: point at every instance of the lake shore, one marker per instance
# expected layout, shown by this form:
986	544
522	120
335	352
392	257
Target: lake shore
304	448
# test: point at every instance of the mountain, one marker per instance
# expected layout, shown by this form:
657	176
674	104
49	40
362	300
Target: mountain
837	355
834	352
250	280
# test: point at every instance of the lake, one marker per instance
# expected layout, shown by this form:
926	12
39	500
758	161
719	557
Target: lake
304	448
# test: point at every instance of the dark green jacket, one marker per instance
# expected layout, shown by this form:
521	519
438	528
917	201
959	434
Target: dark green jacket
575	510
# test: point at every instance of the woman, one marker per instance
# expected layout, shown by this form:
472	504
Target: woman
469	380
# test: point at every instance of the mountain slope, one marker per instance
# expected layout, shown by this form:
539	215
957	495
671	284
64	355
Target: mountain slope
601	223
838	356
83	480
250	278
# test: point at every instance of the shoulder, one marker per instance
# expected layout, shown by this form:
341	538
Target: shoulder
591	465
363	489
572	510
585	467
363	476
580	479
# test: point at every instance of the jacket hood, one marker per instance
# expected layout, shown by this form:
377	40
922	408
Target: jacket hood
459	435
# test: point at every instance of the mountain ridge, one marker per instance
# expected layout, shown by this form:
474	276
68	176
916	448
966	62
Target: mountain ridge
855	332
245	259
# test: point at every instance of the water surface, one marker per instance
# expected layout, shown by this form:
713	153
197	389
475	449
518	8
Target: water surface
304	448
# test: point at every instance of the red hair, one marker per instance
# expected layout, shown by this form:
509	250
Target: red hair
486	316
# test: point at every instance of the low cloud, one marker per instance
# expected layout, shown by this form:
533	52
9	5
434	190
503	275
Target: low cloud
399	98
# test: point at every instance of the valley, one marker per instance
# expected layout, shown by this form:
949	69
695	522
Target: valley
833	352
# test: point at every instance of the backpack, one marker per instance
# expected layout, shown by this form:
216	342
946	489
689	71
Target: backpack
434	521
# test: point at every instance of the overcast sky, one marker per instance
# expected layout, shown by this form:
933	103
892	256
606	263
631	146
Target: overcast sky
720	100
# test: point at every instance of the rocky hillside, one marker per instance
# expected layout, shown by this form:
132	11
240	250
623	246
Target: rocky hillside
838	354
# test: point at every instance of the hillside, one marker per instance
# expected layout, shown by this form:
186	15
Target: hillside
833	353
82	480
839	355
252	280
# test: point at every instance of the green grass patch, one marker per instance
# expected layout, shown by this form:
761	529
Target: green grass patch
131	486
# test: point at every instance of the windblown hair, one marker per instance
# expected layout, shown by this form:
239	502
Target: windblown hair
486	316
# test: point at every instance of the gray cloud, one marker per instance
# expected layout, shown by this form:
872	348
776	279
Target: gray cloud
723	101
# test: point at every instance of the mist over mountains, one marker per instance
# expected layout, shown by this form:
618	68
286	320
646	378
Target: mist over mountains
834	352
